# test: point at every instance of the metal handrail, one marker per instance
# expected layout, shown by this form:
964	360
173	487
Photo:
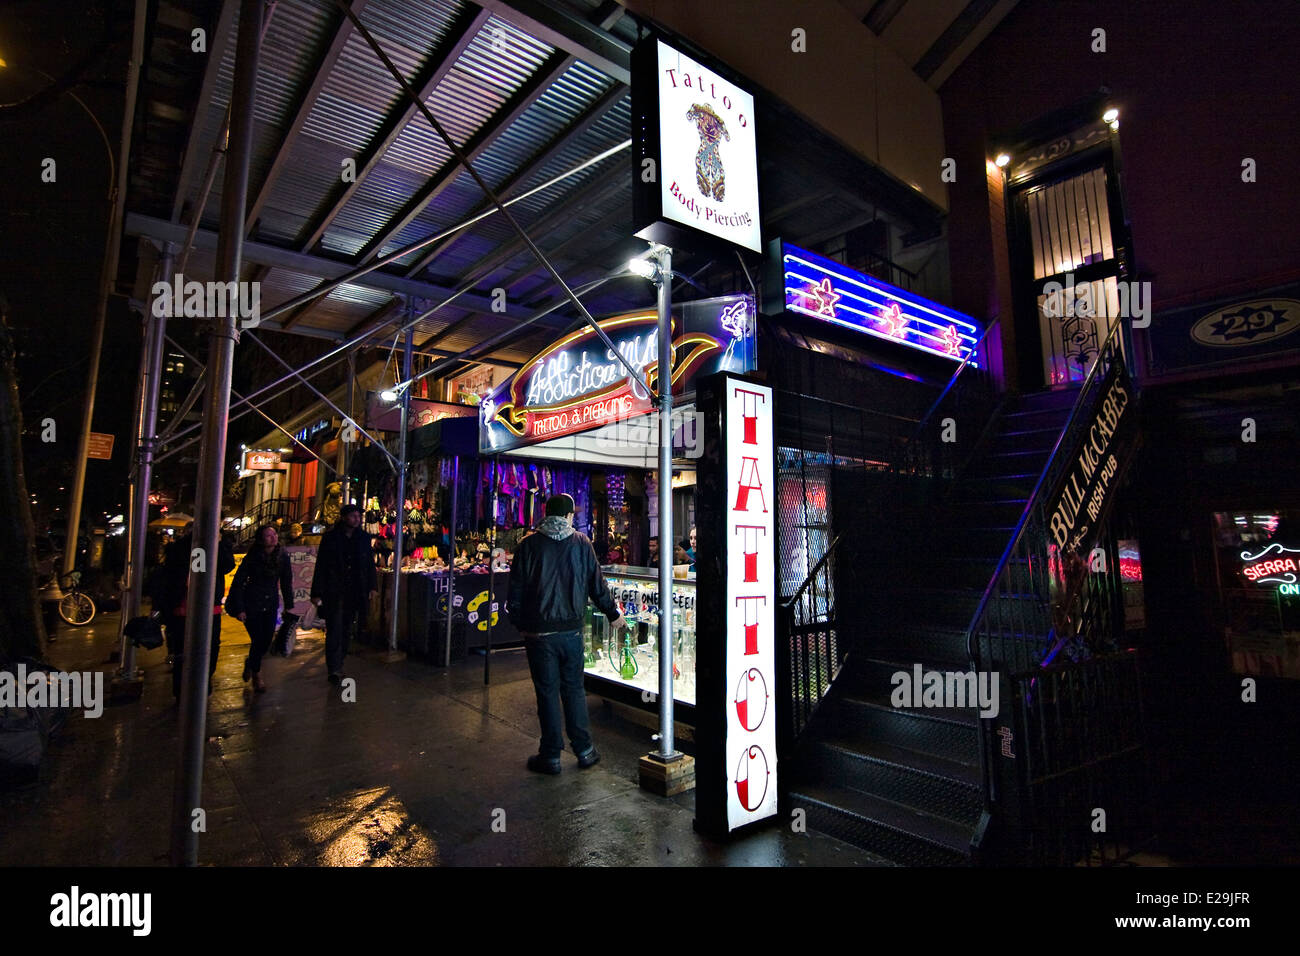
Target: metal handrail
952	381
1025	515
830	549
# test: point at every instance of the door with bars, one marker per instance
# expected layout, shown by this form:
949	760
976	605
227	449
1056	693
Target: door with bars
1070	263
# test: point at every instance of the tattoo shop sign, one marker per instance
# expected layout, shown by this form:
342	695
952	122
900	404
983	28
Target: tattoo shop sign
1081	498
695	150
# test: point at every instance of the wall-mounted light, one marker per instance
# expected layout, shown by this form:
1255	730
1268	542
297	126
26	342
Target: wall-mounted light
1110	116
642	267
1002	161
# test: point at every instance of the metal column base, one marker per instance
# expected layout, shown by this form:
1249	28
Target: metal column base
666	776
125	688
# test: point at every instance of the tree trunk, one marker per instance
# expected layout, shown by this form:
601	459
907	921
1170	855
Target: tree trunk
22	633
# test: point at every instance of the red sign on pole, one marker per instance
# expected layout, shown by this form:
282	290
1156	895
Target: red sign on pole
101	446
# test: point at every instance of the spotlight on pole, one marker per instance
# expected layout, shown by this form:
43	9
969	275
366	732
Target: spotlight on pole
642	267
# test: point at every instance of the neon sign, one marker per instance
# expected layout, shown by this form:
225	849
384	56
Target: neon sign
577	383
1271	566
826	290
750	748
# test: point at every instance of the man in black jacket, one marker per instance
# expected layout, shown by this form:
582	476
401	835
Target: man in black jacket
554	572
343	584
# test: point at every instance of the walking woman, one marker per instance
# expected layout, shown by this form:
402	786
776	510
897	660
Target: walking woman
254	598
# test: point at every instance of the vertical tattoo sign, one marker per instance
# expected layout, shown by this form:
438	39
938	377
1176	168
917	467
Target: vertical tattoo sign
749	454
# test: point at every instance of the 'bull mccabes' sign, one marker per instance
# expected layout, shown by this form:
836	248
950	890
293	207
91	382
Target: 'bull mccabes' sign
577	383
1080	499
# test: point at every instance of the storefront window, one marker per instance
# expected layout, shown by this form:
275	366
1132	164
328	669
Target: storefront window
1258	557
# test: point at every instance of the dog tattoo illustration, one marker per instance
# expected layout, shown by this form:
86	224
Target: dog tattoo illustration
709	174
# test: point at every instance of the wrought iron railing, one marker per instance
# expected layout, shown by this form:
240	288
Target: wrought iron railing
265	512
1039	601
814	653
1082	763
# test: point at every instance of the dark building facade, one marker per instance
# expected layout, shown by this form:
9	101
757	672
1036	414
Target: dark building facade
1184	196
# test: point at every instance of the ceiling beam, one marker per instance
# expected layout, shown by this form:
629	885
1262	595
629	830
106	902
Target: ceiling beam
528	169
518	104
592	44
218	40
456	42
474	147
321	75
258	253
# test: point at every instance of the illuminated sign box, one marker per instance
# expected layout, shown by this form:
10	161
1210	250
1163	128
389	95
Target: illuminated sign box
830	292
577	384
261	460
695	163
737	690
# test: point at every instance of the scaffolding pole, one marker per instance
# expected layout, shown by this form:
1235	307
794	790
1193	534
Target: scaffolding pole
188	815
146	443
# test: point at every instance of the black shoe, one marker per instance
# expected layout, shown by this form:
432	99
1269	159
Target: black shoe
539	764
589	759
336	678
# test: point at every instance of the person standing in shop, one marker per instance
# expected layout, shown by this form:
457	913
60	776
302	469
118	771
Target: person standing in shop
254	600
343	585
553	575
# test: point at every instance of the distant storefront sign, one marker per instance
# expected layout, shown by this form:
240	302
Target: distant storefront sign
577	384
825	290
695	151
1230	332
261	460
100	447
387	416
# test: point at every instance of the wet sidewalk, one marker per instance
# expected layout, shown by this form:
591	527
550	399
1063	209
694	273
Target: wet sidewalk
426	767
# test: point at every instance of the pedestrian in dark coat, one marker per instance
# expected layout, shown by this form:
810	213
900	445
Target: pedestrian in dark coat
343	585
263	576
175	588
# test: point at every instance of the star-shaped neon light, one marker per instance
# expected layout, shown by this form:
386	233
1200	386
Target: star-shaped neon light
895	322
952	339
824	297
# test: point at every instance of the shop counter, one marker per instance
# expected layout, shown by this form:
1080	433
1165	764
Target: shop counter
625	667
422	616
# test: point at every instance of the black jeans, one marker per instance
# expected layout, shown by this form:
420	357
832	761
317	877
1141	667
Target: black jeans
555	661
261	629
340	619
176	647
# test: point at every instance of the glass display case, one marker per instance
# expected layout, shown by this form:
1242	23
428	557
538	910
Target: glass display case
630	658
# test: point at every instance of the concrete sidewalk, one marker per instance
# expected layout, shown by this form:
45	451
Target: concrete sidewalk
415	772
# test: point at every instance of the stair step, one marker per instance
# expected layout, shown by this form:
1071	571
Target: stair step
949	733
900	834
1025	439
953	607
1052	398
941	788
1033	419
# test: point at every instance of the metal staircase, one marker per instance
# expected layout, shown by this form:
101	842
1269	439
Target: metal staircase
958	577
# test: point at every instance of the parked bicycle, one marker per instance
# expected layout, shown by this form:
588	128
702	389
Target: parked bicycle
76	607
